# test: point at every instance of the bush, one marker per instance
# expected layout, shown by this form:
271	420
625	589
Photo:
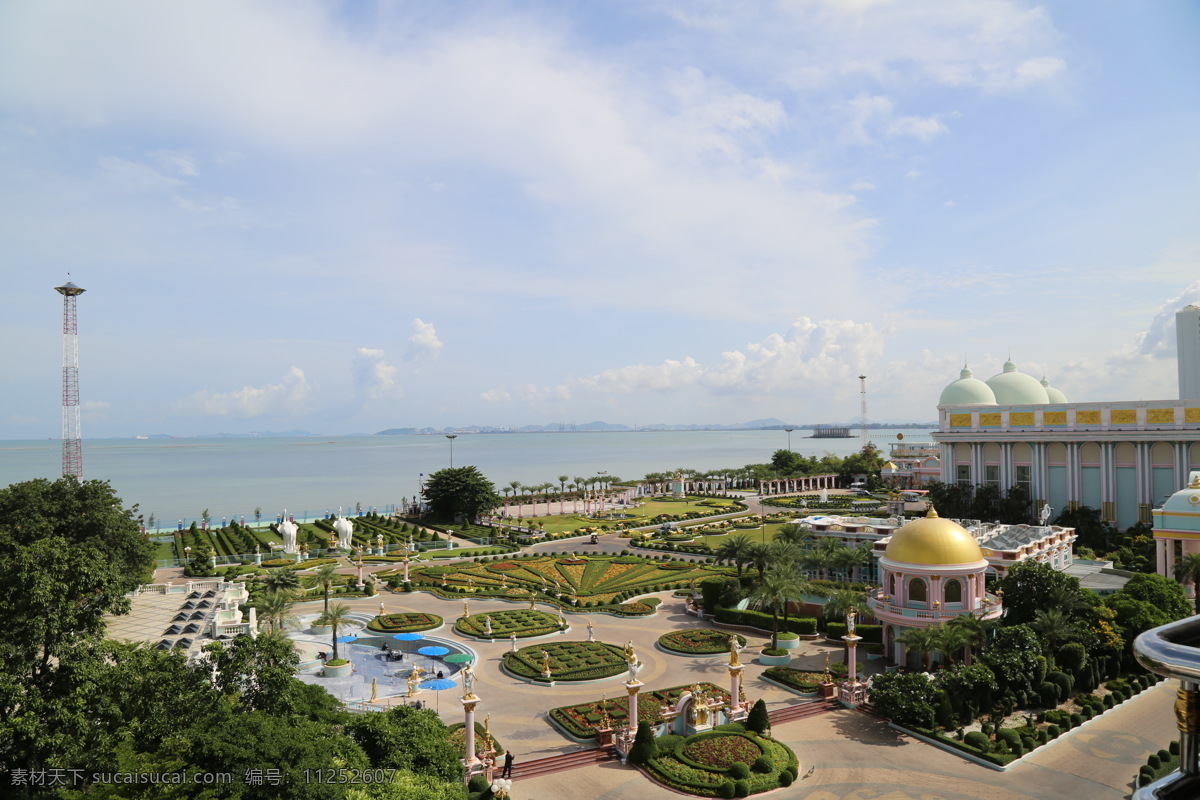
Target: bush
477	783
1053	731
785	778
1076	720
741	788
1047	694
1173	749
757	720
738	770
774	651
762	764
977	740
644	746
1154	762
725	789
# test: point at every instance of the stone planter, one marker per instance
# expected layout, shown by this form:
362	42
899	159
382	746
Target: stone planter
789	644
339	671
320	630
774	661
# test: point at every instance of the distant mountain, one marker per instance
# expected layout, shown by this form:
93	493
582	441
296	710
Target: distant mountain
598	426
257	435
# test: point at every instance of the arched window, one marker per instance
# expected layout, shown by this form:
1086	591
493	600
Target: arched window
892	585
953	591
917	591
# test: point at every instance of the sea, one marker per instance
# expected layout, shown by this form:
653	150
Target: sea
309	477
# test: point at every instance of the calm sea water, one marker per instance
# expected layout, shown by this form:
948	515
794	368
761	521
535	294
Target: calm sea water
176	479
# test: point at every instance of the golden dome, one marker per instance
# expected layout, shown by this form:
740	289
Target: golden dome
933	540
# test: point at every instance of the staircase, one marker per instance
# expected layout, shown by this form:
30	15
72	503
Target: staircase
796	711
562	762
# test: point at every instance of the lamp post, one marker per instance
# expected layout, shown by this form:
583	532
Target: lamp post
501	787
789	433
451	437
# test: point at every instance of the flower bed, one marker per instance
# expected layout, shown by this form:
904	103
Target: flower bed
404	623
797	679
569	661
698	641
523	624
581	720
718	764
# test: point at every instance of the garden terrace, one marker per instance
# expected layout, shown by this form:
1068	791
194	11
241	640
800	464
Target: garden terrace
581	720
698	641
404	623
726	762
569	661
595	580
522	624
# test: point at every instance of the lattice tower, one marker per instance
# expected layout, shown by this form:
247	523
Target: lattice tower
72	442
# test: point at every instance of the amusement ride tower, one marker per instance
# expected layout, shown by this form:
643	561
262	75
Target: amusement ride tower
72	443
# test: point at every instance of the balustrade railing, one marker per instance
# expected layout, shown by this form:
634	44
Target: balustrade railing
1173	650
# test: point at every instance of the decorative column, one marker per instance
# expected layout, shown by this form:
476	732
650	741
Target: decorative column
253	622
360	577
631	687
469	701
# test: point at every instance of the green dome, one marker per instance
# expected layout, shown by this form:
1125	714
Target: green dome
967	391
1186	501
1054	394
1014	388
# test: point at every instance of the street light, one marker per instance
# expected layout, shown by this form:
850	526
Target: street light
501	787
451	437
789	433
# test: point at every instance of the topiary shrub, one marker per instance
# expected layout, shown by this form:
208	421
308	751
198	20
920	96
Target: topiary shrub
644	745
1173	749
477	783
741	788
1047	694
977	740
725	789
739	770
1053	731
762	765
1076	720
758	720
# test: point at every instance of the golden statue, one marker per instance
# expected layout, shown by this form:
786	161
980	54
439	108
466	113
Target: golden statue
414	679
532	600
545	663
734	650
466	608
630	656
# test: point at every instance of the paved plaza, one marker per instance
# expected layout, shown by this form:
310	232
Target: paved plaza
854	756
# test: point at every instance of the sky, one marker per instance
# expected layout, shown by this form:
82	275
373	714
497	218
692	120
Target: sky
345	217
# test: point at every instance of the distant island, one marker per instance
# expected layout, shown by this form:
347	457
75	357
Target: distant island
770	424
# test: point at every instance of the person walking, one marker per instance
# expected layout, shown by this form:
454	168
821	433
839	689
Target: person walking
508	762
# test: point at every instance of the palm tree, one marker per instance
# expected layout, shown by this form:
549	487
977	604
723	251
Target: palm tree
735	548
777	588
950	640
1187	570
276	610
282	580
840	603
1054	627
978	630
326	577
851	559
1068	599
758	555
338	614
921	641
791	532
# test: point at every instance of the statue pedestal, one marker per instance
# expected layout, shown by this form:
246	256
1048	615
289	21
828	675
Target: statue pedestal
826	690
604	737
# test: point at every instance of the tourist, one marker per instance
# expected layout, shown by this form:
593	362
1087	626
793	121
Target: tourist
508	762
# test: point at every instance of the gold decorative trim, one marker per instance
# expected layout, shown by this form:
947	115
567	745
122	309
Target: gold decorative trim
1160	416
964	420
1054	418
1087	417
989	420
1021	418
1122	416
1191	415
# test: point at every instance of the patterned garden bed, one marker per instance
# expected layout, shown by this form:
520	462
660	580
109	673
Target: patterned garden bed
723	763
523	624
796	679
569	661
582	720
698	641
404	623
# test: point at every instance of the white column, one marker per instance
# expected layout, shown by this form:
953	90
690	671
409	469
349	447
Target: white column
469	702
735	686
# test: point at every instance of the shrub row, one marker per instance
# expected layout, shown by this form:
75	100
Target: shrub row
805	626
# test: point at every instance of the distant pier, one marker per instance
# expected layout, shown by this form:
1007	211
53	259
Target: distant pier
829	432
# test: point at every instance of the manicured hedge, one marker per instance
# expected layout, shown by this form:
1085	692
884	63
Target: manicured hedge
698	641
569	661
523	623
805	626
404	623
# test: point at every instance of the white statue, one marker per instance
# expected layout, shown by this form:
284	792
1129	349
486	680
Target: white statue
591	631
288	530
824	495
1044	514
487	626
345	531
468	677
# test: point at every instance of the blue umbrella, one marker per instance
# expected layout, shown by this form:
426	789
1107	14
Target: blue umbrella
408	637
348	638
434	651
437	685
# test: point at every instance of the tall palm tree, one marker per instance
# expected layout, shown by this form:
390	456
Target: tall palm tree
326	577
950	640
337	615
774	593
921	641
562	483
978	630
282	580
791	532
276	610
1187	570
735	548
758	555
1069	599
851	559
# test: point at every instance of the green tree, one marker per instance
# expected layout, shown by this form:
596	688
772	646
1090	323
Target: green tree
406	738
1055	628
779	586
282	579
326	577
1015	658
758	720
971	689
460	491
337	615
978	631
275	609
1028	587
645	746
257	670
950	641
920	641
1161	592
787	462
758	555
69	555
735	548
1091	530
907	699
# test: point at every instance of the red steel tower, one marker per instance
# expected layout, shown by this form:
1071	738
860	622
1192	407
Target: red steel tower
72	443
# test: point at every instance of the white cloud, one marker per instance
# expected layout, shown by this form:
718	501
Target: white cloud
873	116
424	342
287	396
374	378
496	396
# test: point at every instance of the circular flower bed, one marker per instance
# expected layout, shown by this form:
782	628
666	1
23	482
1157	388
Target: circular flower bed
700	641
524	623
581	720
721	751
569	661
404	623
504	566
572	561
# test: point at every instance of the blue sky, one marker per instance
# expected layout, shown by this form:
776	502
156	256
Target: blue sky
344	217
